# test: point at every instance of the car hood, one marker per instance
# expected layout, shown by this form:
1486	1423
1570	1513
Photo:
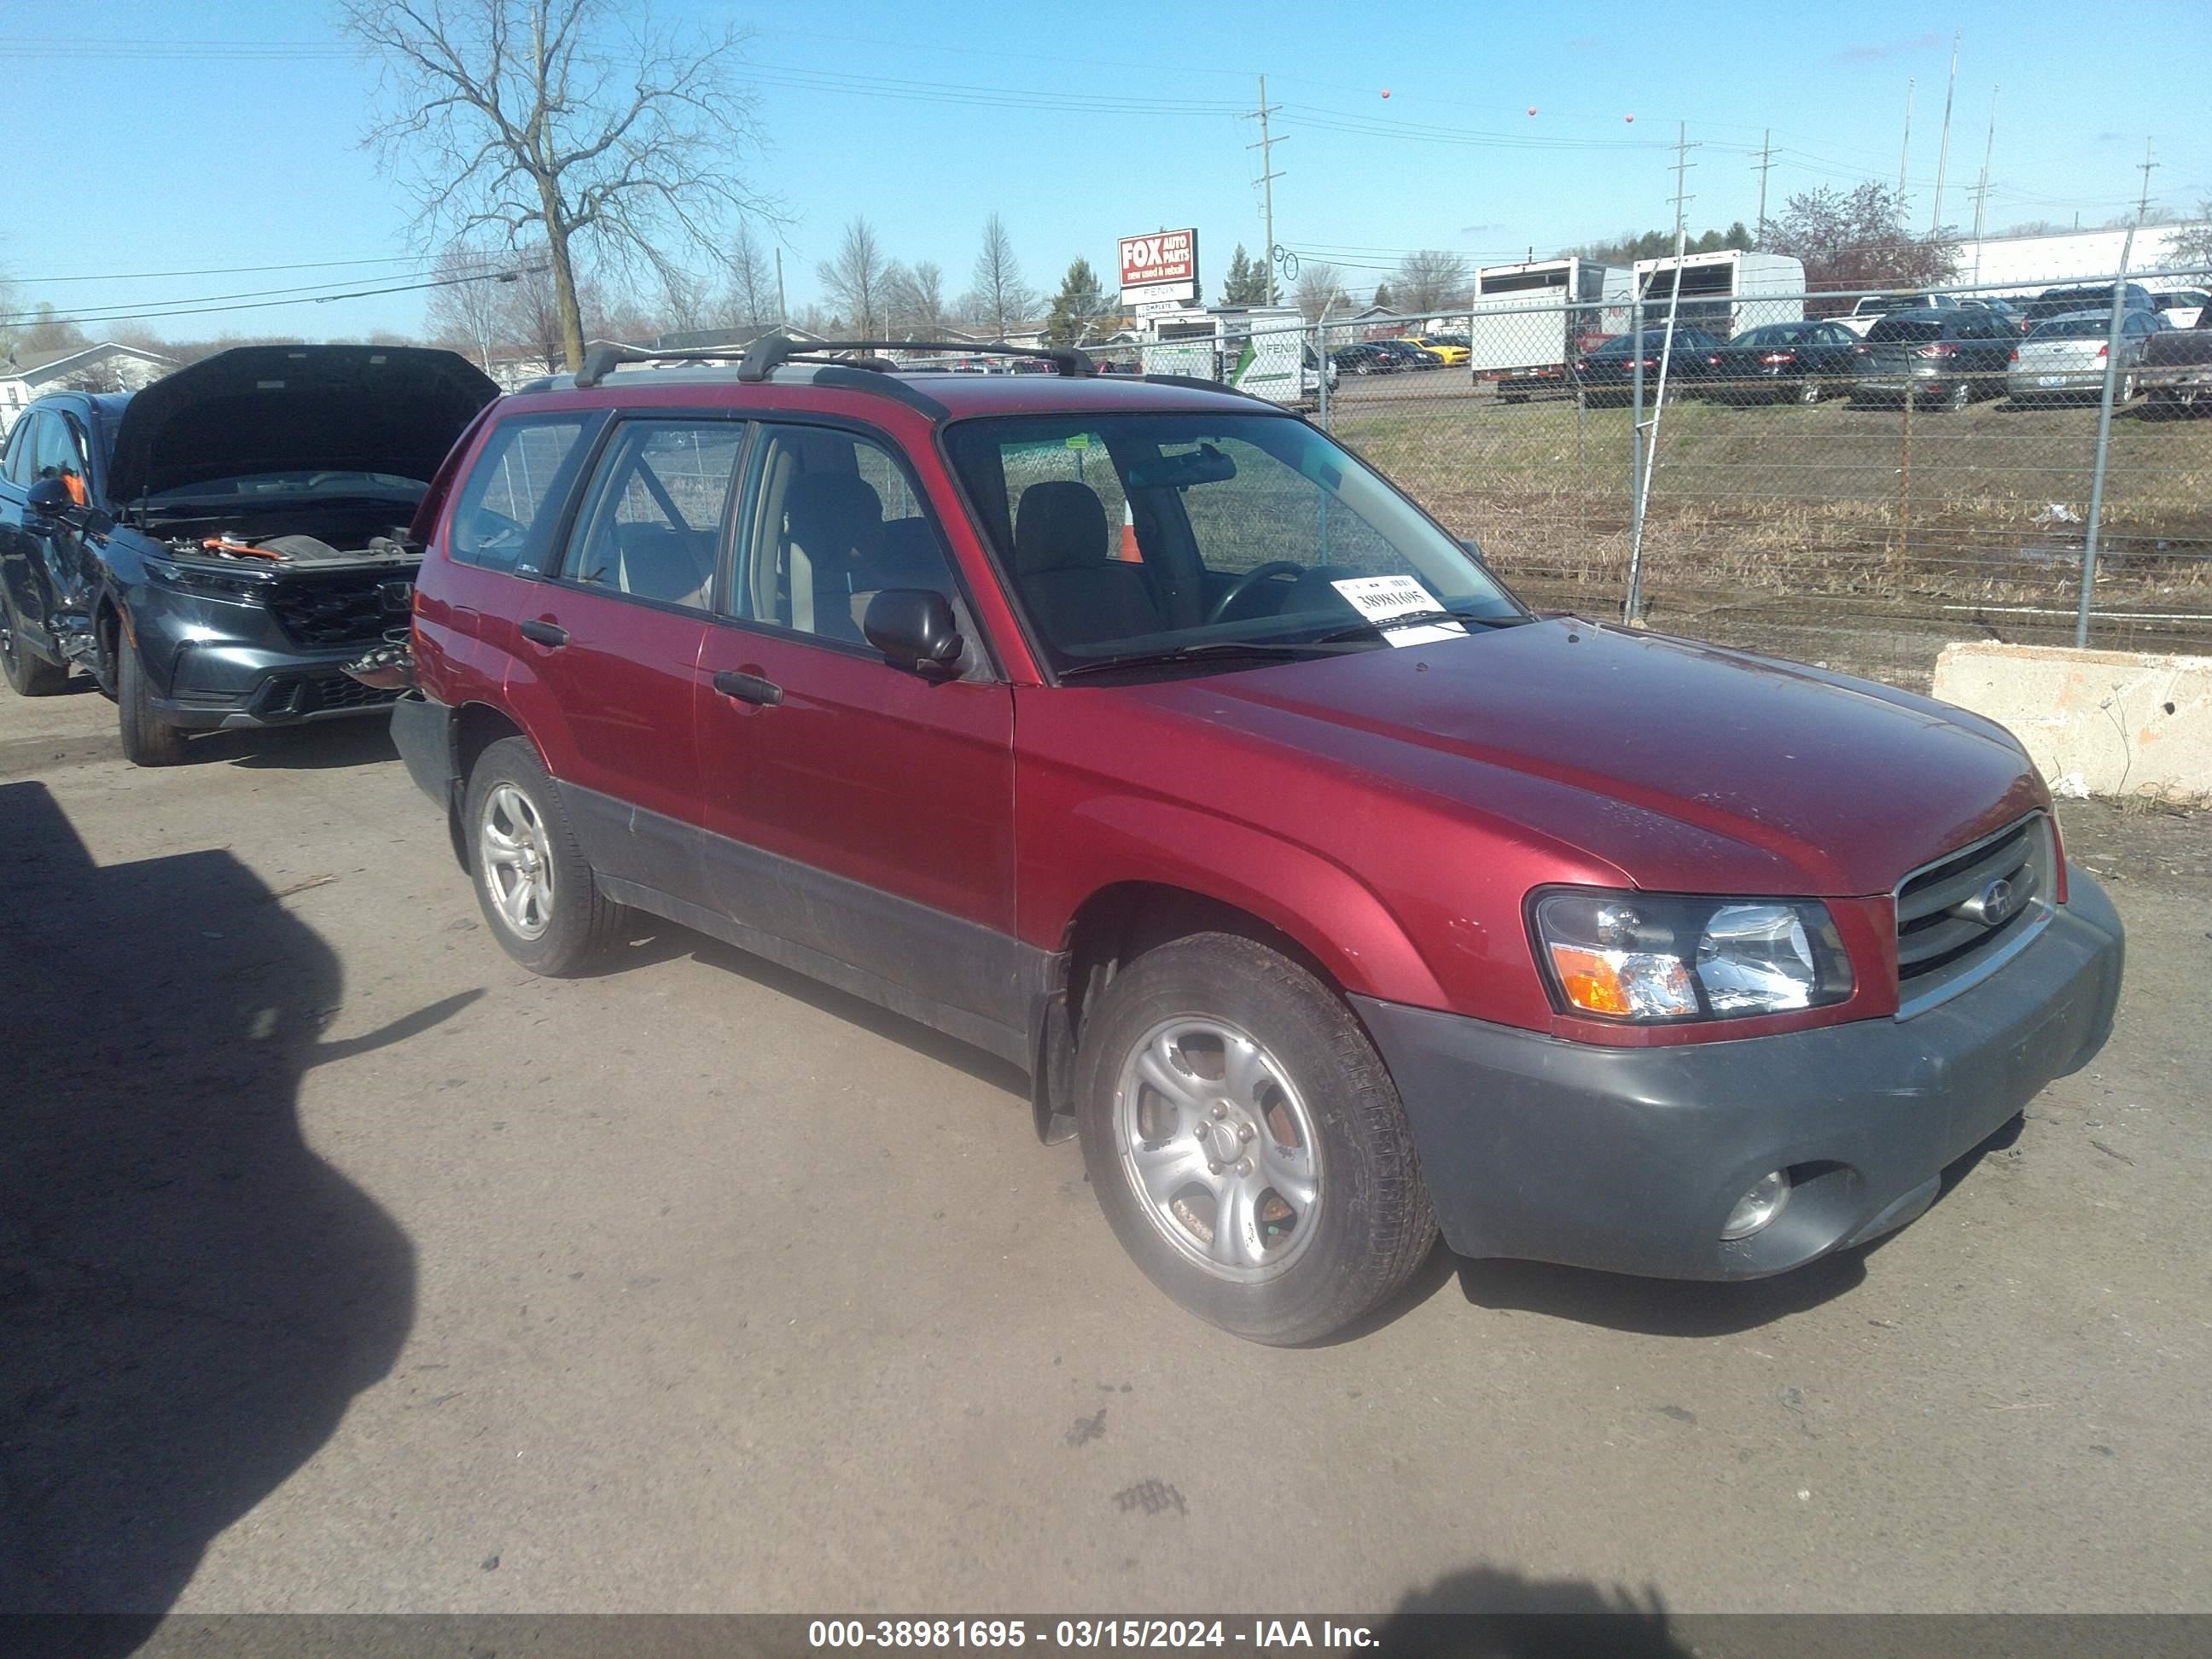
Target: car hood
1684	766
290	408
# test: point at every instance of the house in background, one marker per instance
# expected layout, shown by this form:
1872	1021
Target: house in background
107	367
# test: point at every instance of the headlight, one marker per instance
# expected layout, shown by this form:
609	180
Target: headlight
1647	959
236	586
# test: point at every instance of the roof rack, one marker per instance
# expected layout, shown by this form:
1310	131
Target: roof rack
765	355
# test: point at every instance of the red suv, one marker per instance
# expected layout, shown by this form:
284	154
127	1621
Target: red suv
1134	731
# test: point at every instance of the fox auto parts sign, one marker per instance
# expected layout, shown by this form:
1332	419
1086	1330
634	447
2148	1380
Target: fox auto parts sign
1161	266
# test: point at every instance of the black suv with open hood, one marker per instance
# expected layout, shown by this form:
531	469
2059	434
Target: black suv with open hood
214	549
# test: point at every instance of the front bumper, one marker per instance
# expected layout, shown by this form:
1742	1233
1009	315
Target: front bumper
221	684
1630	1159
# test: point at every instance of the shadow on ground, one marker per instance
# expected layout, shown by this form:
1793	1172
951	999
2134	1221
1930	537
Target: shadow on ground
191	1297
1517	1618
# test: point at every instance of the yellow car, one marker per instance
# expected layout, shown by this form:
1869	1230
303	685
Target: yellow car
1454	351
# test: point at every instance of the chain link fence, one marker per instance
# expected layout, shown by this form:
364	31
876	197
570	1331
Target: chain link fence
1842	479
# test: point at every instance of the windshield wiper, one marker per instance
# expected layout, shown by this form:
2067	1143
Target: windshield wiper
1200	651
1415	619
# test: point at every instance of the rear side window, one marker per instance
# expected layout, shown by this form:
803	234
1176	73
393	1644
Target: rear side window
654	529
515	489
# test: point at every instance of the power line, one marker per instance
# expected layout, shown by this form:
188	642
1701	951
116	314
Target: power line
211	270
154	314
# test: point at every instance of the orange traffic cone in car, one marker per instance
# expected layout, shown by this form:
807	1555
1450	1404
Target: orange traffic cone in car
1128	554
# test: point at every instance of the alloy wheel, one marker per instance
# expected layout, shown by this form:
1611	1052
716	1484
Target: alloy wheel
517	860
1219	1147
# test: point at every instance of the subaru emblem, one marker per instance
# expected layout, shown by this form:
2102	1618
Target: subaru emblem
1994	905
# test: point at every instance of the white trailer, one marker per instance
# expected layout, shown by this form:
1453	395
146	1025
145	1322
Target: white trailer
1263	350
1723	292
1530	319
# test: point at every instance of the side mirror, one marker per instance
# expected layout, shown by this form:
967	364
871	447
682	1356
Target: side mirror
913	627
1474	551
49	498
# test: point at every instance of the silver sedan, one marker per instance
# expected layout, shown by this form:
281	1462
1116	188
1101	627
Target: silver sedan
2066	358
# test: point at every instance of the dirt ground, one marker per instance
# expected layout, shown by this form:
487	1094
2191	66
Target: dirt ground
345	1267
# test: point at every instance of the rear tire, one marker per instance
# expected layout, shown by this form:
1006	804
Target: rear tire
533	882
1811	392
29	673
1956	400
1272	1115
148	739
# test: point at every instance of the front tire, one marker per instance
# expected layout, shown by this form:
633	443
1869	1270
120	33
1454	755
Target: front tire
533	882
148	739
29	673
1246	1142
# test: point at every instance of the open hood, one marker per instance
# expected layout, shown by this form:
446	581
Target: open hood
290	408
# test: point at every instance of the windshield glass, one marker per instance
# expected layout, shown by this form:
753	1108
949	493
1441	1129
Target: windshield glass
1131	535
2087	327
260	486
1774	334
1891	330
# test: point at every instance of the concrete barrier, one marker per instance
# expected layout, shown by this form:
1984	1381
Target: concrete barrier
2095	723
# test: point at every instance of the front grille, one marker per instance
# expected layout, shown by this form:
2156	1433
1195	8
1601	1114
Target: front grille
1948	937
351	607
293	696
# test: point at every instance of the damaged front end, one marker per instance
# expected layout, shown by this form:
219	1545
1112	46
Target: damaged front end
390	667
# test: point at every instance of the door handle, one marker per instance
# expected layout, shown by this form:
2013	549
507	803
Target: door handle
749	688
549	634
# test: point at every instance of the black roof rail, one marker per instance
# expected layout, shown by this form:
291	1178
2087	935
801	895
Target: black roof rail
770	352
766	354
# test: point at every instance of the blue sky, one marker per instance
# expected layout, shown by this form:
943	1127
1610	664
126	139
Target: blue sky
211	138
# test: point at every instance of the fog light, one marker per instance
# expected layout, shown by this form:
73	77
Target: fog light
1757	1207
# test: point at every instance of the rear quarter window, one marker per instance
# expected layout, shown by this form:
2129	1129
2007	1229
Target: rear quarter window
503	518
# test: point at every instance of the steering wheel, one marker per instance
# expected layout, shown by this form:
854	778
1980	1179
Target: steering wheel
1245	583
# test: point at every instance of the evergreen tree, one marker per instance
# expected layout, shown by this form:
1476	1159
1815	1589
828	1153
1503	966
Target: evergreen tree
1246	284
1077	308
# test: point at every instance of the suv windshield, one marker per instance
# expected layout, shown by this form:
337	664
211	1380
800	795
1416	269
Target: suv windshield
1892	330
1224	537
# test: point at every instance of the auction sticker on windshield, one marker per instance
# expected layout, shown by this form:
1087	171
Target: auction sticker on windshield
1391	603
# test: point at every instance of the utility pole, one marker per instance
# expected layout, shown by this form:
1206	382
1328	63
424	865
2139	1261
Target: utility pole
1943	151
2144	167
1644	445
1905	156
1267	176
782	310
1981	189
1766	162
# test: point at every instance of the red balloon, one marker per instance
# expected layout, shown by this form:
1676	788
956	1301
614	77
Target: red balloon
1532	109
1386	92
1631	117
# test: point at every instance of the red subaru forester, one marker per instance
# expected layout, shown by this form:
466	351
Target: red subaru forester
1134	731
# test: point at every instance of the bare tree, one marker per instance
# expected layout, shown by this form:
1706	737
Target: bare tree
2191	246
1321	290
916	300
565	121
1857	239
687	303
469	310
858	279
1430	279
750	300
999	299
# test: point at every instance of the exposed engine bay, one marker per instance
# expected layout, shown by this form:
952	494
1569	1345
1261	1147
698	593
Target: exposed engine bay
291	549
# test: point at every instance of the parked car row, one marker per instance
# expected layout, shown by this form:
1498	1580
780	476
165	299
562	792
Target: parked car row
1442	918
1944	356
1387	358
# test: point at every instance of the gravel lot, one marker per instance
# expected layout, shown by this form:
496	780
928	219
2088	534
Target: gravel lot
345	1267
